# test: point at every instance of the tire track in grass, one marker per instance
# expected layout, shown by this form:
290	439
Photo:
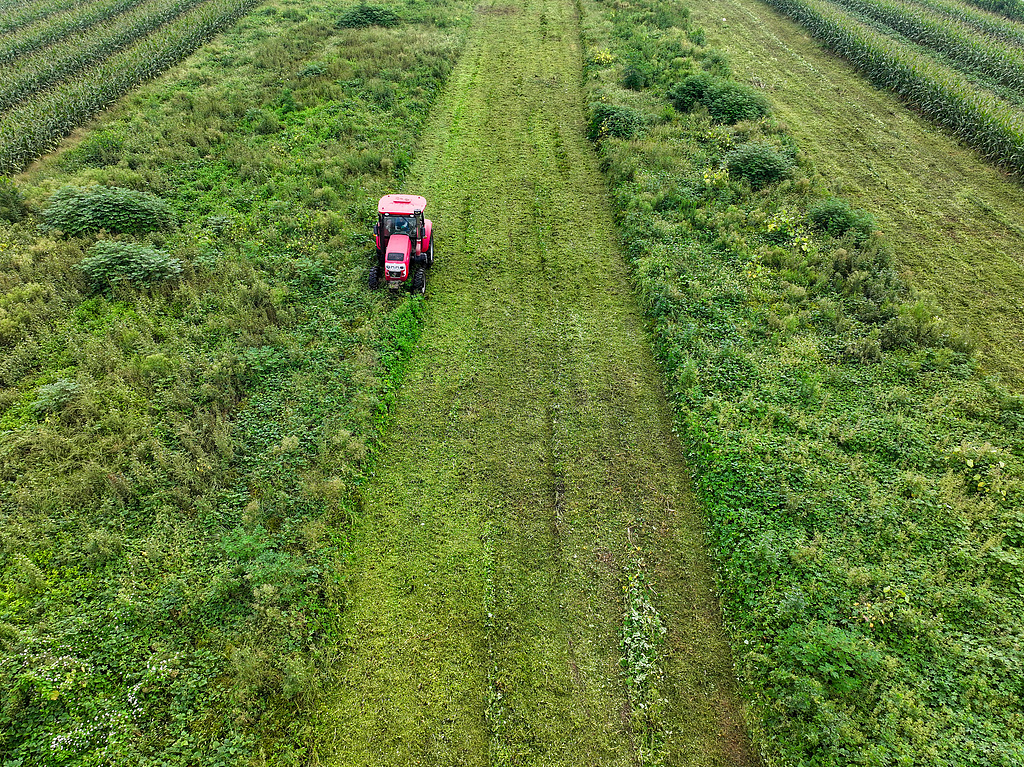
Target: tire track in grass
530	465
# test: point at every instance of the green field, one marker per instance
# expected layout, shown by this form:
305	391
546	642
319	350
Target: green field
704	446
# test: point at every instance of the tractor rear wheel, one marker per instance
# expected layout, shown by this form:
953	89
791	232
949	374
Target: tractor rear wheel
374	280
419	280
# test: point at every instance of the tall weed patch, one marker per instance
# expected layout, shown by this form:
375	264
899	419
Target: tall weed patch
187	410
861	477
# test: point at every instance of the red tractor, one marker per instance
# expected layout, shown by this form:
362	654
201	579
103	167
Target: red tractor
405	243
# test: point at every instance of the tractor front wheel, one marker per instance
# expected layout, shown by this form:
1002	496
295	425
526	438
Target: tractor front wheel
419	281
430	253
374	280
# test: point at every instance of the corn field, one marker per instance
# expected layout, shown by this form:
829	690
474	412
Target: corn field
977	116
54	28
46	96
65	58
14	14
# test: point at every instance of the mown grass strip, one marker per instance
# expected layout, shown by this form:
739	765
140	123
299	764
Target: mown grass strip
863	480
64	58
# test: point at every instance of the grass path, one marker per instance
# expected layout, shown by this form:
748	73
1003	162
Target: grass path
530	462
955	221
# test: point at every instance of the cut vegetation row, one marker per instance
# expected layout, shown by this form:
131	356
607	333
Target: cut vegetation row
863	477
528	580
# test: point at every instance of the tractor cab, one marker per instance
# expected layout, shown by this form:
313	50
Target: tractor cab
404	242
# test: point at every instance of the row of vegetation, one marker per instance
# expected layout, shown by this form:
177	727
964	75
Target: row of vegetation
979	117
983	22
863	479
194	381
58	27
17	14
991	60
37	125
61	60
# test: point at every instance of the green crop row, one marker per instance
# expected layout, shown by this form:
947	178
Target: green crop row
14	14
966	51
979	119
1011	9
1001	29
50	30
66	57
38	125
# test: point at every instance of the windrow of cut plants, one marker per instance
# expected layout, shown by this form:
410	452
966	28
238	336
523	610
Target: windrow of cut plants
194	381
862	476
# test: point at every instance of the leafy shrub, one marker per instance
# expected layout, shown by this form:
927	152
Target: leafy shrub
54	397
608	120
730	103
366	15
111	262
835	217
726	102
77	210
691	91
12	202
760	164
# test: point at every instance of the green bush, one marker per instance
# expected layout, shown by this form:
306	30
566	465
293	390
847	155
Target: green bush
111	262
12	202
730	103
608	120
835	217
77	210
366	15
54	397
760	164
691	91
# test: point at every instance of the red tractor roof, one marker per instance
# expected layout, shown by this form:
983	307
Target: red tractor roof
401	204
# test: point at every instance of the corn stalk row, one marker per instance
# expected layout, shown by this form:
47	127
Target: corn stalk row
38	125
978	118
57	62
1011	9
14	14
50	30
967	51
986	23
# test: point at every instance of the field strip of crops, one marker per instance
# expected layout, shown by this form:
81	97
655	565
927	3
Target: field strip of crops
991	24
38	125
990	59
989	124
1011	9
52	29
66	57
14	14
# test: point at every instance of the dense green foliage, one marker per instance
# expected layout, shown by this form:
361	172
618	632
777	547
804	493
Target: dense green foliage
366	15
12	201
110	263
77	210
863	480
978	117
726	101
179	461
